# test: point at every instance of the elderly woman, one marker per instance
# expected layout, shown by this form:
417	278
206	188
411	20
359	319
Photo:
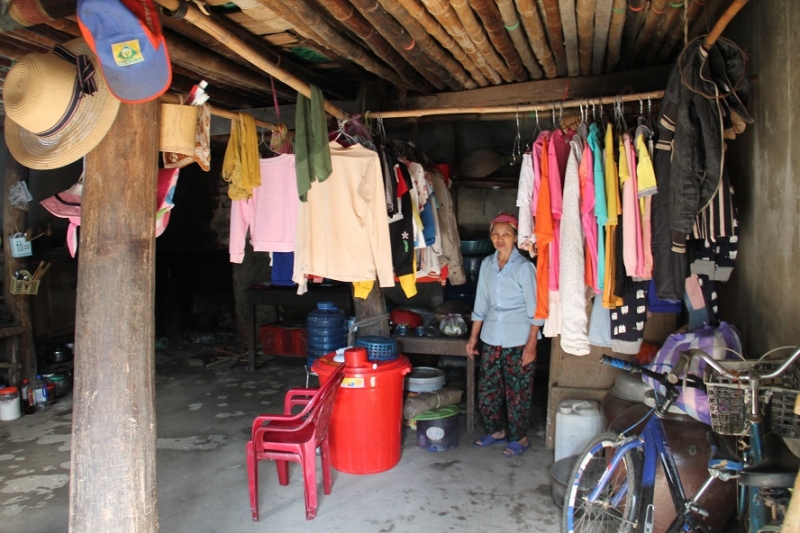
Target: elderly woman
503	319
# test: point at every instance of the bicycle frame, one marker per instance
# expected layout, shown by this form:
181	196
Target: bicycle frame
653	443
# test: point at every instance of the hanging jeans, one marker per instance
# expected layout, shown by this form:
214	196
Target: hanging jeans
505	389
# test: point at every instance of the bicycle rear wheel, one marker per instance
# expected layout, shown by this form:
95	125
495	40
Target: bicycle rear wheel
617	507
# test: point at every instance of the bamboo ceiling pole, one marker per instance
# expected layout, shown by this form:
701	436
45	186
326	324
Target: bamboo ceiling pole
602	23
618	12
694	9
478	36
409	48
423	40
633	23
447	17
570	27
493	23
669	24
516	31
194	16
484	110
318	29
584	11
723	21
432	26
536	35
346	13
555	34
654	17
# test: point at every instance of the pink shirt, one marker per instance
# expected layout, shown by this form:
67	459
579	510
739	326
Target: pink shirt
632	249
270	216
588	221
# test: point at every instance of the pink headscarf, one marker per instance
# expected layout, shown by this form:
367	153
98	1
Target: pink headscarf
511	220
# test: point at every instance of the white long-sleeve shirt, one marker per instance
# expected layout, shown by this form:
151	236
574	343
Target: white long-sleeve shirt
343	230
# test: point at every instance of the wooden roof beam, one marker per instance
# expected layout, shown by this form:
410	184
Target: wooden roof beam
641	80
516	31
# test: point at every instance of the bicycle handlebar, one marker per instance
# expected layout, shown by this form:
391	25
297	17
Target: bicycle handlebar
713	363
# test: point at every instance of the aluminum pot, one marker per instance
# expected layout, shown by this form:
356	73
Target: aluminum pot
59	355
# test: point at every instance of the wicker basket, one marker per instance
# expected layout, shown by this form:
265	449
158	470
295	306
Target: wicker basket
22	286
730	401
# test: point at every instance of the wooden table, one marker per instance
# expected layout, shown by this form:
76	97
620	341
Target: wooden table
444	346
287	296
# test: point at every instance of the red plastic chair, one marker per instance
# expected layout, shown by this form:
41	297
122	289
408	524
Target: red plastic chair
295	438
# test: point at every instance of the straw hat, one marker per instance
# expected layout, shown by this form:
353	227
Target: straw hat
39	95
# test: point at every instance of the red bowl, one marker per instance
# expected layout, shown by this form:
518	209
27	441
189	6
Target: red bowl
404	316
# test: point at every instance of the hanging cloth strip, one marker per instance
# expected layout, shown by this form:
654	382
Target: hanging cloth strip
312	151
240	167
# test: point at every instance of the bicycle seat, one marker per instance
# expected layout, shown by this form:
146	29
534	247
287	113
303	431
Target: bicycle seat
722	456
777	470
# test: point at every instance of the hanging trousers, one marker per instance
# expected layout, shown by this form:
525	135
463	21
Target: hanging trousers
505	389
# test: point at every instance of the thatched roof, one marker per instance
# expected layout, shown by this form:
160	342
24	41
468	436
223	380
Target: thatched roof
401	53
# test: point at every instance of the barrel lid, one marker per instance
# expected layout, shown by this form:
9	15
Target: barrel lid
327	306
327	365
9	390
436	414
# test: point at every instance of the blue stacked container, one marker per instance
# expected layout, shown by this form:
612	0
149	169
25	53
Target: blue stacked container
327	331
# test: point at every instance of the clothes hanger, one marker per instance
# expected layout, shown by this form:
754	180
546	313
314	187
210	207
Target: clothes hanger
515	148
263	142
536	130
340	131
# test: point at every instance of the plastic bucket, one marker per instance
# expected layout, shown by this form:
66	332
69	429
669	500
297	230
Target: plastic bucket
437	430
367	417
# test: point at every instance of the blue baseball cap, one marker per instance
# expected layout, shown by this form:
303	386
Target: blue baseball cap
127	39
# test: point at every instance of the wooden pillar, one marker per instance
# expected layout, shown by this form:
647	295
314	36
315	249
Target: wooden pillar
113	480
18	304
371	308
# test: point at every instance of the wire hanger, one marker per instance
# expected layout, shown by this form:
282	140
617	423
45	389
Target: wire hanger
536	130
263	142
515	148
340	131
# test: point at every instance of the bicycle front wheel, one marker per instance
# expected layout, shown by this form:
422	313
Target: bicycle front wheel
616	508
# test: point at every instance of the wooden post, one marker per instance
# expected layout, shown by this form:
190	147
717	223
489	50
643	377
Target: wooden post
113	480
371	308
18	304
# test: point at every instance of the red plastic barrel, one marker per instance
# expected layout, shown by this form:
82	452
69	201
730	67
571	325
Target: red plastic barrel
367	417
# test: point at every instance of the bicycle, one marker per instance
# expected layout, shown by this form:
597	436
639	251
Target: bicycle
611	487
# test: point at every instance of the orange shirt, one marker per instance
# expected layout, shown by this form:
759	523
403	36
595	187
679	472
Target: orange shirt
544	231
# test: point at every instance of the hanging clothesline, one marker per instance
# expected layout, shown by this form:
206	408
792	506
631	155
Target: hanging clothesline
485	110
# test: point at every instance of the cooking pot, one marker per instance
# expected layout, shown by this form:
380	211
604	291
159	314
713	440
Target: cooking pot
60	355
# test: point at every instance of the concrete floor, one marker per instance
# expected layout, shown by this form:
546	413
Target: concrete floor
204	416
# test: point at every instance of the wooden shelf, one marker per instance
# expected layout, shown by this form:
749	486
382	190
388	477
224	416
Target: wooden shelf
485	183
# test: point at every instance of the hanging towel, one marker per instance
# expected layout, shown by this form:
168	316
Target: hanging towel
240	166
311	148
202	144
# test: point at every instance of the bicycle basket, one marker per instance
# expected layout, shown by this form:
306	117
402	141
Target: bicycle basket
730	400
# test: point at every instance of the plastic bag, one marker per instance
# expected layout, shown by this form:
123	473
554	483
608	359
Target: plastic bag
453	325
